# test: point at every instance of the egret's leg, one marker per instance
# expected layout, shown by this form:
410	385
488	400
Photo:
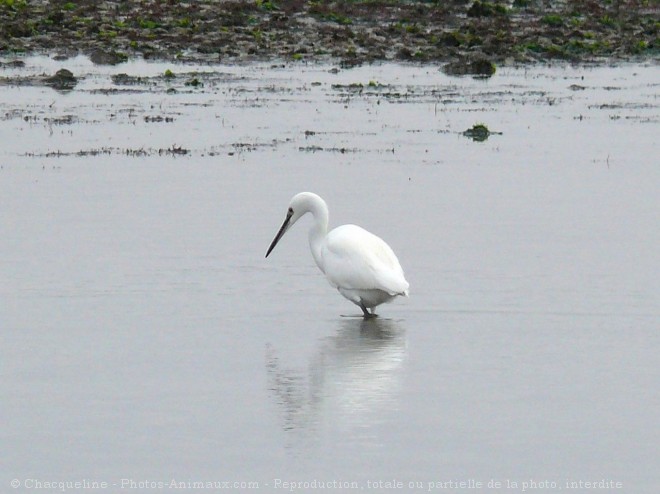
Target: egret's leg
365	311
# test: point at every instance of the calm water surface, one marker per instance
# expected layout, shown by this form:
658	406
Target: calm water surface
145	339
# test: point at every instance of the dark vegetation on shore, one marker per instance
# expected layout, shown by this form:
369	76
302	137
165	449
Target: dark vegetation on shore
355	31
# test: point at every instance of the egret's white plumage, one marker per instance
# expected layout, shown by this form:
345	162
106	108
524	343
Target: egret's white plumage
359	264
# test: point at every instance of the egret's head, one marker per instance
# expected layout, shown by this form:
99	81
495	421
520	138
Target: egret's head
299	205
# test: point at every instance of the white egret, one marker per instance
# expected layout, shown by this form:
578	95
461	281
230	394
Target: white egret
359	264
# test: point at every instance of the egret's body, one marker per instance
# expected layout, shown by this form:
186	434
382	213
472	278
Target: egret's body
360	265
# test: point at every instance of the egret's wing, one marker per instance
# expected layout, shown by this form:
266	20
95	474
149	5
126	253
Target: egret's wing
356	259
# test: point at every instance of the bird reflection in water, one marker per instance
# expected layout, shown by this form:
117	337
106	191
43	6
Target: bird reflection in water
352	380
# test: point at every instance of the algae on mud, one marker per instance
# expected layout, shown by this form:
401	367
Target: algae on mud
352	31
479	132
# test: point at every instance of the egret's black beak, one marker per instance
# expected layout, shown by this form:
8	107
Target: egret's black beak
280	233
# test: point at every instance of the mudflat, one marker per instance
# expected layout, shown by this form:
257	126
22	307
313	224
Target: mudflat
353	32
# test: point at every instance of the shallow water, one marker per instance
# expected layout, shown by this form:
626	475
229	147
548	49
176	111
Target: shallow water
146	339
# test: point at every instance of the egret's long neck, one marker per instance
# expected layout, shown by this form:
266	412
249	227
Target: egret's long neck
318	231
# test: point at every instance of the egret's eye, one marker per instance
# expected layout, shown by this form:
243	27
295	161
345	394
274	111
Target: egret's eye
290	210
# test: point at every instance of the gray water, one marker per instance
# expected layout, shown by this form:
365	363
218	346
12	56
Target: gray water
145	340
